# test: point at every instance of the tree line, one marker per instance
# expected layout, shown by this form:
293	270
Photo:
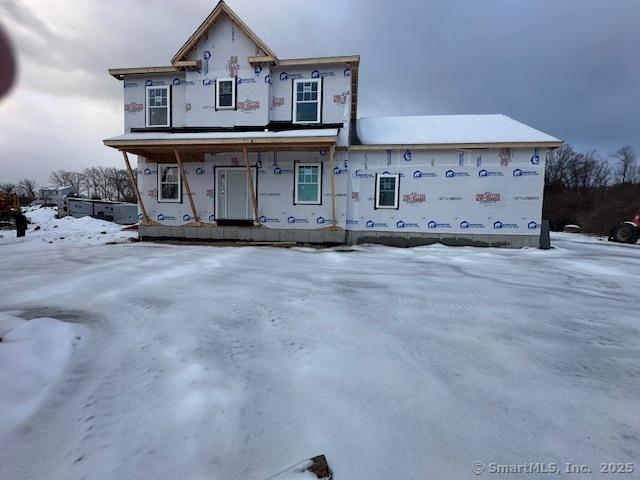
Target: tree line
104	183
589	190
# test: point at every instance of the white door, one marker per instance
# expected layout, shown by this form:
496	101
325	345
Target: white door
232	194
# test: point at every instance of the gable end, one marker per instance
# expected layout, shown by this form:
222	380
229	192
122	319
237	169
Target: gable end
221	9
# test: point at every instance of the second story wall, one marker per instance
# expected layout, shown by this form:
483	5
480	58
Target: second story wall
263	92
335	91
224	52
135	98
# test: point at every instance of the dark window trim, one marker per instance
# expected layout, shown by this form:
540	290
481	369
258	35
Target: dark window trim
169	106
216	100
294	99
377	191
295	181
158	183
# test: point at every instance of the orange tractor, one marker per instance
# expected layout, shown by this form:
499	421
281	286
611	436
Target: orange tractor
626	232
8	202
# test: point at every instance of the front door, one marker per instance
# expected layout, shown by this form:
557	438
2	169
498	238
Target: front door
232	197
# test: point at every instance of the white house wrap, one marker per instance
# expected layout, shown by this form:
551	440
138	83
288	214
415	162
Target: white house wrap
236	144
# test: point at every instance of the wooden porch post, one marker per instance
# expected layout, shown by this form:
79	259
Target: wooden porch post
134	184
254	201
187	187
332	151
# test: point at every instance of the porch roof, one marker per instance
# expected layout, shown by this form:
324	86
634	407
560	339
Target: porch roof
150	142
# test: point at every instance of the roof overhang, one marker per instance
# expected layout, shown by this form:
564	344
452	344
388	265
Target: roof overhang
262	59
120	73
455	146
296	140
353	60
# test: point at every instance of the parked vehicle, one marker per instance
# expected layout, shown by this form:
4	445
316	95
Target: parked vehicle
626	232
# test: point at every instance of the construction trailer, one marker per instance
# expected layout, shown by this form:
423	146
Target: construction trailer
119	212
234	143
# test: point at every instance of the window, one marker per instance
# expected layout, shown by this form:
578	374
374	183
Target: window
225	93
306	104
387	190
308	183
158	106
169	185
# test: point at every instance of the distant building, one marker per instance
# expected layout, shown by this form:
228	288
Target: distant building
51	196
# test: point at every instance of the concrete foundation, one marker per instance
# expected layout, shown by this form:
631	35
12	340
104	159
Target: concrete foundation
331	237
241	234
414	239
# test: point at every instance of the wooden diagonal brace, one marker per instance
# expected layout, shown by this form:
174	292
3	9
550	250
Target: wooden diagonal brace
134	185
332	153
186	185
254	200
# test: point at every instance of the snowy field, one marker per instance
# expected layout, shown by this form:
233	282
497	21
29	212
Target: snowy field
45	228
195	362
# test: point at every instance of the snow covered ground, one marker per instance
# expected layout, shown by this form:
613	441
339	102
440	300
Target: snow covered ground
236	363
45	228
33	355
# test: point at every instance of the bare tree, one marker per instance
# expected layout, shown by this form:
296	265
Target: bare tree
101	182
557	166
92	182
626	170
588	170
63	178
7	187
55	178
578	190
105	176
28	189
119	183
567	169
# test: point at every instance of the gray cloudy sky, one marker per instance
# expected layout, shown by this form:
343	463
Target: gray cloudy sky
568	67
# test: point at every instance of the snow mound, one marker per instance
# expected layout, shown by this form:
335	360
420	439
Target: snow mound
38	214
9	321
45	227
33	355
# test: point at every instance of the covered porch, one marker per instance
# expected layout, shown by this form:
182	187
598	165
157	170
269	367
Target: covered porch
188	151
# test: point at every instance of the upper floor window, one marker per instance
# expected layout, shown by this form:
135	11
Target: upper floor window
169	184
306	102
308	184
387	190
158	106
225	93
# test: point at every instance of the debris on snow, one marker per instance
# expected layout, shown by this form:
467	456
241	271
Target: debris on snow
313	468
